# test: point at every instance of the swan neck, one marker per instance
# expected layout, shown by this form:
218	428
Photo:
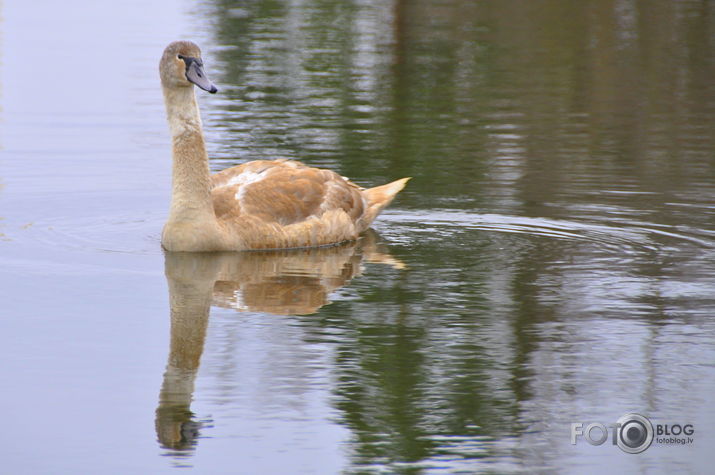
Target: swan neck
191	180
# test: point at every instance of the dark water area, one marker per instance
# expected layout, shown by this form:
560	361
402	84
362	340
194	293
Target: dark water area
550	263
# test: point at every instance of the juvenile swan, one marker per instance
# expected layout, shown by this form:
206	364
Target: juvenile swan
264	204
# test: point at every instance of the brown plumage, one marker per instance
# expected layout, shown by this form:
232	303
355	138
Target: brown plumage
262	204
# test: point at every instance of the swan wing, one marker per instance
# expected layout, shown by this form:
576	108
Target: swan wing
283	203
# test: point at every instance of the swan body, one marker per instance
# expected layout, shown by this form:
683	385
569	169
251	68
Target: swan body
263	204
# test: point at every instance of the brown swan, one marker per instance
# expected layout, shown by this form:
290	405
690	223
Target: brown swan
263	204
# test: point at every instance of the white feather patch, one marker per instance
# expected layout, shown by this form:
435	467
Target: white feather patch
245	179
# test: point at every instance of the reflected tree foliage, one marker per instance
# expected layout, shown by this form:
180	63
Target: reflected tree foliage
526	108
508	93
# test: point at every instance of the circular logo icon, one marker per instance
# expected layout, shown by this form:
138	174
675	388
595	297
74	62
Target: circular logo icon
635	433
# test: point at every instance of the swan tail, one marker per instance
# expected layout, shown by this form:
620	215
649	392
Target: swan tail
379	197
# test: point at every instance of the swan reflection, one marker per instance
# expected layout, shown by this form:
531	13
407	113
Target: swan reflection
294	282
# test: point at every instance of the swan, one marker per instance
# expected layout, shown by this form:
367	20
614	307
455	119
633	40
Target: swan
262	204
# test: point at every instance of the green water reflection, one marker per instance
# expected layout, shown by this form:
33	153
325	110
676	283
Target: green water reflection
562	155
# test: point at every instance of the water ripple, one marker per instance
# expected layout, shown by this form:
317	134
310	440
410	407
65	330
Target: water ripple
107	234
634	236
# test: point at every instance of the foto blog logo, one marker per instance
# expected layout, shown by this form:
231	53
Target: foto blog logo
632	433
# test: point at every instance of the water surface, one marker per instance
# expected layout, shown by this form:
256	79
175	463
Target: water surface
550	262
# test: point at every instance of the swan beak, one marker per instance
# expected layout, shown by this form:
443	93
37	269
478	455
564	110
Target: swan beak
195	73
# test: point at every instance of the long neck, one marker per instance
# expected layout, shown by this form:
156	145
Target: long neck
190	195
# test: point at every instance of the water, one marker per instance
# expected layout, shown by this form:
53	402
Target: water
551	261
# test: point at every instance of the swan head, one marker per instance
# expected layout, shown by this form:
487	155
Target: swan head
181	66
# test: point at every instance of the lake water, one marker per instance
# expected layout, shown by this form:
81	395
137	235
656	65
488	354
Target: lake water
551	262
